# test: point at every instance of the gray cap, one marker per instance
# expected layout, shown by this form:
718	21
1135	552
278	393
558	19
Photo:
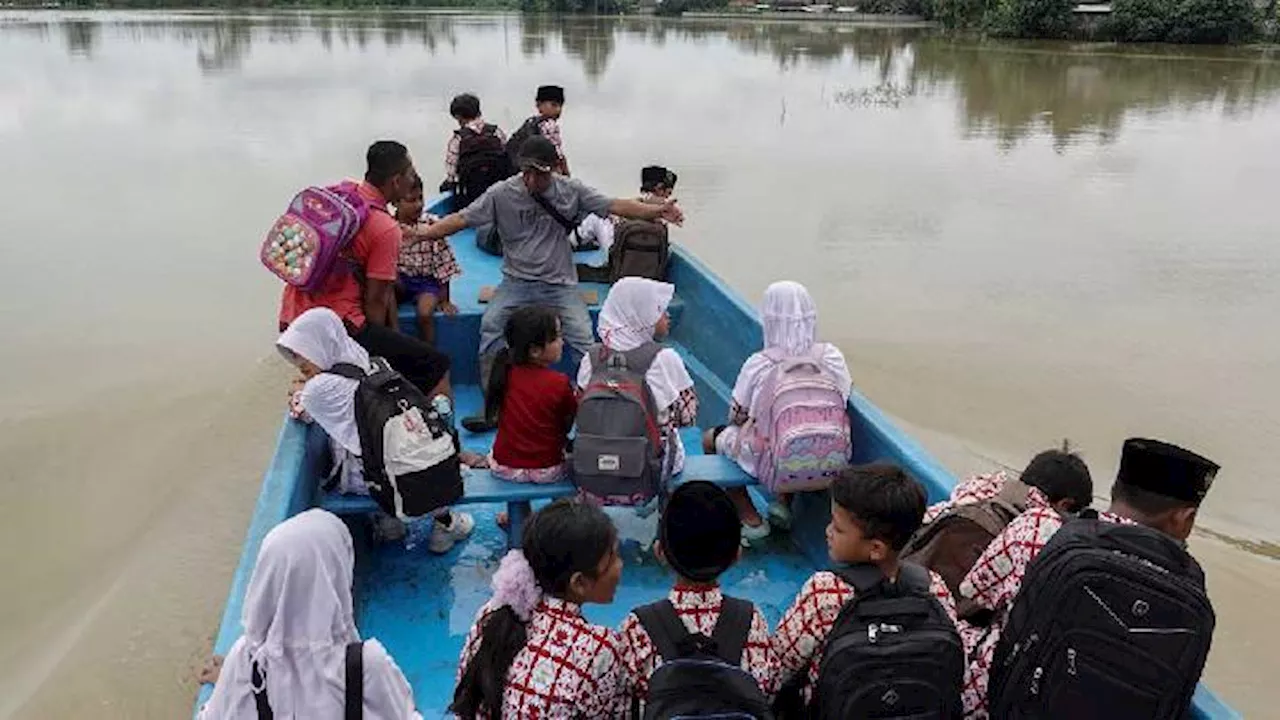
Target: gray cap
537	153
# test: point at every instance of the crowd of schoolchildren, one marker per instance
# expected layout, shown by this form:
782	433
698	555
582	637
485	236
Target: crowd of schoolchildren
1011	598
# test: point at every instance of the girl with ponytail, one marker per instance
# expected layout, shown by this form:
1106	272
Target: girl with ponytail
531	653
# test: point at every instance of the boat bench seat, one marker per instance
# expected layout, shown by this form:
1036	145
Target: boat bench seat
484	487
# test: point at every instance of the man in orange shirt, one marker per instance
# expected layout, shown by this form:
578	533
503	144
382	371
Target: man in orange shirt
361	290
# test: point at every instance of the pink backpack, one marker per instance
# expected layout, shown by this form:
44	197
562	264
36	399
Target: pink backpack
800	424
303	246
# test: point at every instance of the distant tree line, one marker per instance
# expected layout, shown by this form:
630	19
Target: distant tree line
1176	21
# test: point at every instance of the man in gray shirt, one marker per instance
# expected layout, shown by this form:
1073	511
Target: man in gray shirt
537	261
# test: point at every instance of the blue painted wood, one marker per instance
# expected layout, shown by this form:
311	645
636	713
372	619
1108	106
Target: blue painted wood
421	607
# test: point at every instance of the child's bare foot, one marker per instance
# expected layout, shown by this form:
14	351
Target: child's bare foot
473	459
503	520
211	670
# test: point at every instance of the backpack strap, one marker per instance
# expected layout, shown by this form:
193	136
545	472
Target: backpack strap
640	359
258	683
347	370
863	578
914	578
732	628
664	627
354	701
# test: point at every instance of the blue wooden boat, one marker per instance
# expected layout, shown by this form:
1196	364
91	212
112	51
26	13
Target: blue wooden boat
421	606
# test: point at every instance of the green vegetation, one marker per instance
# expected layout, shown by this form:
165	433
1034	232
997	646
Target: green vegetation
590	7
1175	21
1182	21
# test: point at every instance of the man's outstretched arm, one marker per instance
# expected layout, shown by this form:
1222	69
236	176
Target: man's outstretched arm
636	210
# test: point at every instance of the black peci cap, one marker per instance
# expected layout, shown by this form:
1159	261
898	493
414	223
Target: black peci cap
550	93
1165	469
656	175
700	531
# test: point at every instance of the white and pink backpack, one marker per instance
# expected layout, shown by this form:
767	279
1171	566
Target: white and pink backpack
305	244
799	426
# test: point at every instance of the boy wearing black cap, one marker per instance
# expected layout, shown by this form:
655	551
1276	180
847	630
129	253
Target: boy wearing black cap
1159	486
550	104
699	537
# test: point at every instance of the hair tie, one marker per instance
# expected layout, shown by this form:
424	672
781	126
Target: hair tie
515	586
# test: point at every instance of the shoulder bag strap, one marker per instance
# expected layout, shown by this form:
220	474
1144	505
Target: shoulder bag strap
354	705
568	225
259	687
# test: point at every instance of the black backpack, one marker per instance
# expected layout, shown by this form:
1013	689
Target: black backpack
1111	621
530	127
893	651
700	676
409	453
641	248
482	161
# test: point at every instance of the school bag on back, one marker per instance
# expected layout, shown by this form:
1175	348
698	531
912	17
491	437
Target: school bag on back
1111	621
641	248
618	449
305	244
482	161
799	424
408	451
892	653
953	541
530	127
700	676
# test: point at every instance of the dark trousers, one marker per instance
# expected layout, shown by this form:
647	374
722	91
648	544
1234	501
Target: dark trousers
420	363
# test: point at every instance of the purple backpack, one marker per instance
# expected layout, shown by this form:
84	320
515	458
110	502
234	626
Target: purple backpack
799	424
303	246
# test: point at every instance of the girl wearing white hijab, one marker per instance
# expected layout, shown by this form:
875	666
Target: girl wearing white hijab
635	313
298	622
315	342
790	320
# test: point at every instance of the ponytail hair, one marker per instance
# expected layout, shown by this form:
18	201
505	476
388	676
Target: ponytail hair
559	541
527	328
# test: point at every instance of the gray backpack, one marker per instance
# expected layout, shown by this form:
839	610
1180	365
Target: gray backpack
618	451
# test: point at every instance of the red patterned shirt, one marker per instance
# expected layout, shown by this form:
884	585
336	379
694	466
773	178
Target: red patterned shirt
993	582
699	609
428	258
568	668
804	628
977	488
550	128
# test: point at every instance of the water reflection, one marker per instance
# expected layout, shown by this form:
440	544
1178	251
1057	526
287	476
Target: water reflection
1006	90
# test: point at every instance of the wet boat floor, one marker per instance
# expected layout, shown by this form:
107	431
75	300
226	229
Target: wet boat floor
420	606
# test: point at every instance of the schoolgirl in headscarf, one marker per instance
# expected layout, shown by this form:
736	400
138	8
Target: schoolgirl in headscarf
635	313
790	320
298	623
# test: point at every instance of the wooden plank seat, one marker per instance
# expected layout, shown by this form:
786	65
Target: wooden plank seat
480	486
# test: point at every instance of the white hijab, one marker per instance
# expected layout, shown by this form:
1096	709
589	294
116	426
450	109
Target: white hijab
298	621
631	312
319	336
790	318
